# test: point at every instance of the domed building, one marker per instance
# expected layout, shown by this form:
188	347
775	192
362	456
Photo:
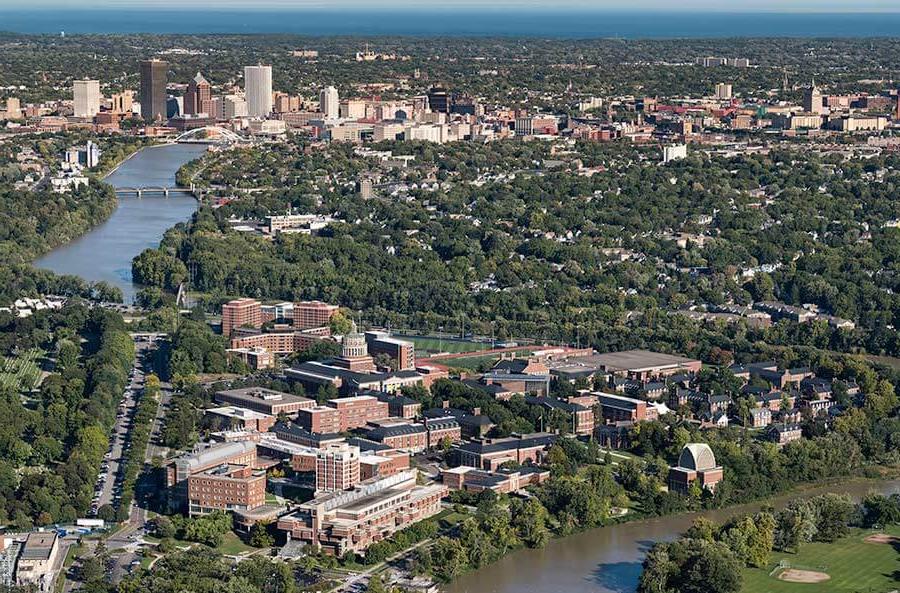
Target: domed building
696	462
355	353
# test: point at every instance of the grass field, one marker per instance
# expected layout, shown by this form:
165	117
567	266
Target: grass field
232	545
853	565
431	345
21	373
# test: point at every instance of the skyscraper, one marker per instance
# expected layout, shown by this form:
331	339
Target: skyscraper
329	102
153	89
258	90
439	100
197	96
87	97
812	100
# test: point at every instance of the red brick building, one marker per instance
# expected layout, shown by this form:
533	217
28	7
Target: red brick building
240	313
265	401
310	314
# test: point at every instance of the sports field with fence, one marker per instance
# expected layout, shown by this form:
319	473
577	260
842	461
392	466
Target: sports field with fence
852	565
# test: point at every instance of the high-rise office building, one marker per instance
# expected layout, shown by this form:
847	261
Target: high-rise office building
723	91
198	94
153	89
813	101
122	102
439	100
258	90
329	102
87	98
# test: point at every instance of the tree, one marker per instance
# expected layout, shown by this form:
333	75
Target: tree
530	521
340	324
260	536
449	558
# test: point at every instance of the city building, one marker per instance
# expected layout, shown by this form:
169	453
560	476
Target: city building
782	434
243	312
404	437
257	358
618	408
401	352
234	106
442	429
154	74
198	97
329	102
674	152
350	521
87	98
723	91
310	314
490	454
813	101
226	487
439	100
122	102
38	559
502	481
264	401
638	365
232	417
582	417
206	457
695	464
337	467
258	90
355	355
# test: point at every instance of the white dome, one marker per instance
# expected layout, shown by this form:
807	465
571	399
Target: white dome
697	456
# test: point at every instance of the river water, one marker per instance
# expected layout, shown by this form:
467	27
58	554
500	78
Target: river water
608	559
105	253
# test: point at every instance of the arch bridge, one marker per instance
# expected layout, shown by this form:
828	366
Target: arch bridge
210	135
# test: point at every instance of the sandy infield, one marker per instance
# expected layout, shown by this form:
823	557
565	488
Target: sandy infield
795	575
882	538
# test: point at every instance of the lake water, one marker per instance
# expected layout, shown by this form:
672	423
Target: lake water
608	559
452	20
105	253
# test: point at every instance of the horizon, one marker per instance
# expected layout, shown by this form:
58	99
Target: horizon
584	6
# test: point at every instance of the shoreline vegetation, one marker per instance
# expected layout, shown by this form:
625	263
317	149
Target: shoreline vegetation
780	500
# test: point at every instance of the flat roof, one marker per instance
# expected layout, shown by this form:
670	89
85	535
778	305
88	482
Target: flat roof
261	394
235	412
628	360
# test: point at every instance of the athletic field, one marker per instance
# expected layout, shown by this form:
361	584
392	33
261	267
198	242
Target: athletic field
852	565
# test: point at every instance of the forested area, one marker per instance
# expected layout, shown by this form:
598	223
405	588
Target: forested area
52	441
539	254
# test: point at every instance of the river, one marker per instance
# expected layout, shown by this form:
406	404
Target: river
608	559
105	253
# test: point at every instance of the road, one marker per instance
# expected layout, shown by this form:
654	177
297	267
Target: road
108	487
128	538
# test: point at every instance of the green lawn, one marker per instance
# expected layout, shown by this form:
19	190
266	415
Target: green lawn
854	567
424	345
232	545
21	373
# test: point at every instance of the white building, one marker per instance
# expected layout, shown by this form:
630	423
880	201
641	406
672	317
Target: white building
674	152
329	102
234	106
87	98
724	91
258	90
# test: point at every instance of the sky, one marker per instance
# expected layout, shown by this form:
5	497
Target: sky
621	5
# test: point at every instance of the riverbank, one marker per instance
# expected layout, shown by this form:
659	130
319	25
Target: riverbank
104	253
608	559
